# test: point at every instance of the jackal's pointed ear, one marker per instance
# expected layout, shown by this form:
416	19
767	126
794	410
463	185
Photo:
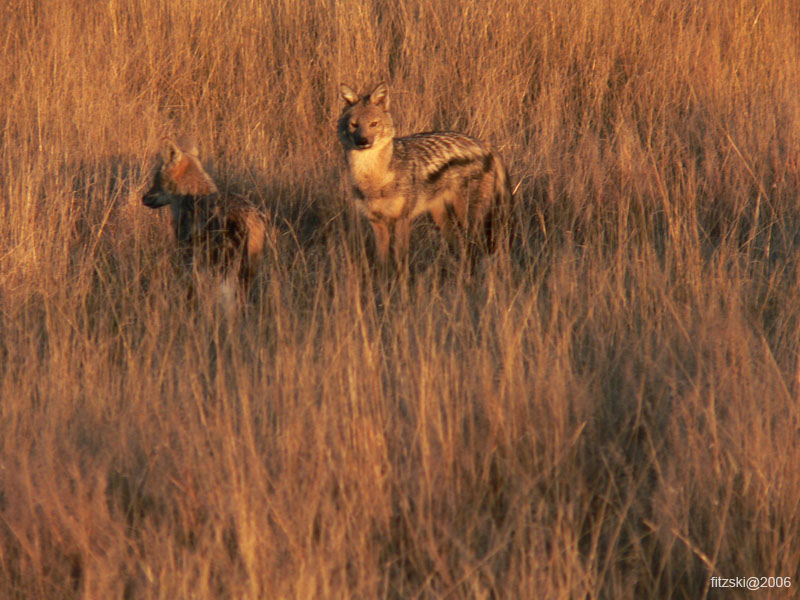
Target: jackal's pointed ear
188	146
170	151
348	94
380	96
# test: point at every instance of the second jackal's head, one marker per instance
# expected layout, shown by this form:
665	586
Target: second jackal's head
179	173
366	120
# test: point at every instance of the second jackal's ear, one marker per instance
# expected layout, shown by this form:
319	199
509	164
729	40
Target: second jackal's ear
380	96
348	94
170	151
188	146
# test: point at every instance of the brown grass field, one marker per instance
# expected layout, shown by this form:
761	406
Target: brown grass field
608	409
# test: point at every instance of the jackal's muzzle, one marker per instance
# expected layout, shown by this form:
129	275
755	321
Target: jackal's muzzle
154	197
361	142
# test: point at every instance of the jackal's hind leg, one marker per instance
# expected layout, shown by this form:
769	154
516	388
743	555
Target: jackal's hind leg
446	221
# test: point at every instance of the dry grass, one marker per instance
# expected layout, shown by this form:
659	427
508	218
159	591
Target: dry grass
610	411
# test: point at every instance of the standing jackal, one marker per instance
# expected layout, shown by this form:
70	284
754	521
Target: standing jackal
459	180
221	232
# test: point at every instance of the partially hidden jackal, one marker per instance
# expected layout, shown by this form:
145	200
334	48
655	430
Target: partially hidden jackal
460	181
223	233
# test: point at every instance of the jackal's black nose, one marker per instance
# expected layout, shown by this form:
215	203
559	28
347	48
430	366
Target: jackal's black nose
153	199
362	142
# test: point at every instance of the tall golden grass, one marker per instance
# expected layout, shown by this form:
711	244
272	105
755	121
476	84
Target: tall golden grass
610	410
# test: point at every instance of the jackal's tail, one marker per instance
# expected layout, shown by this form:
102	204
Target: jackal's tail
498	229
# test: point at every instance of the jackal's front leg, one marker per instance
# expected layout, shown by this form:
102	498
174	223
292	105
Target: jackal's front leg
381	231
402	236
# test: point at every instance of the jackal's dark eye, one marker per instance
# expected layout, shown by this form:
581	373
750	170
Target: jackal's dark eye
373	124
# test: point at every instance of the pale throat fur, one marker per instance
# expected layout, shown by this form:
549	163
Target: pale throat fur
371	175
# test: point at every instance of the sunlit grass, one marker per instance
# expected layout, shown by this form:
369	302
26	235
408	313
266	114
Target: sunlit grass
609	411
